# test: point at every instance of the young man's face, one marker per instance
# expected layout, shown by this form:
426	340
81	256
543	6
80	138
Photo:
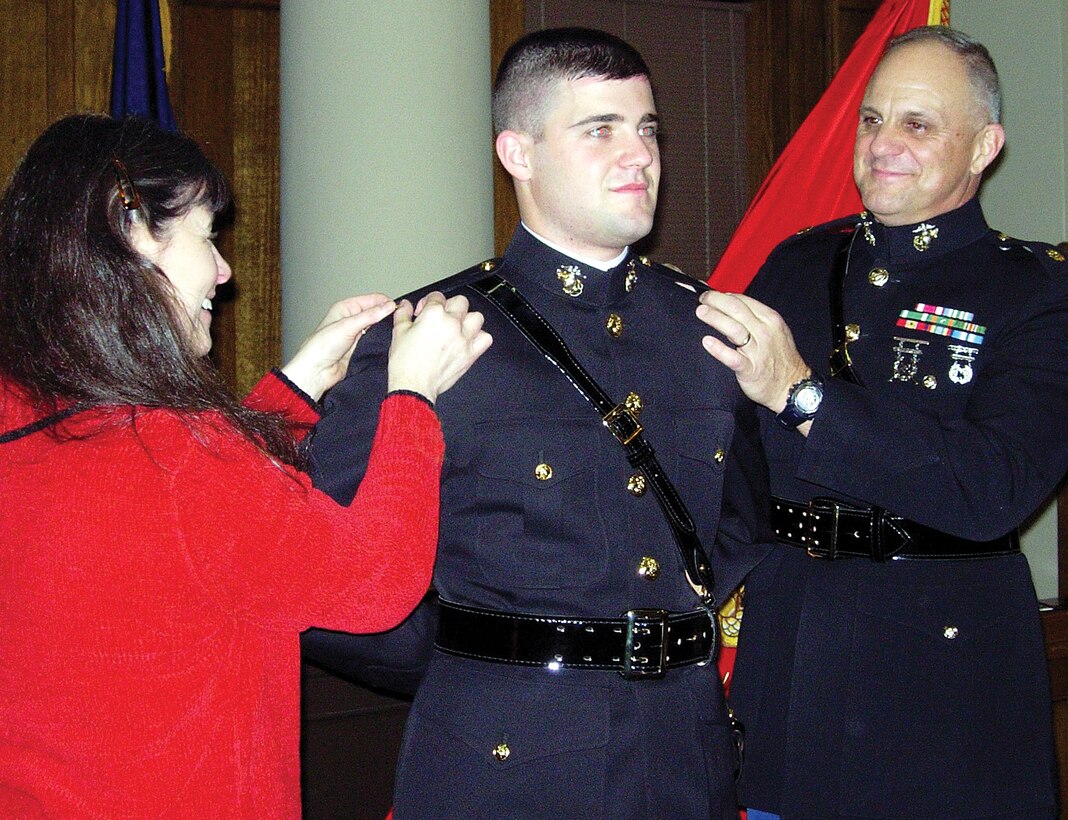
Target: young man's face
595	169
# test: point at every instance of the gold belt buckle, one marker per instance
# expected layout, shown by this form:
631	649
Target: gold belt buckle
615	414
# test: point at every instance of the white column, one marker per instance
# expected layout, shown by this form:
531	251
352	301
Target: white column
387	174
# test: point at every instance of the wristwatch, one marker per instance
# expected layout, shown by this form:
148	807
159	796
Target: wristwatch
802	402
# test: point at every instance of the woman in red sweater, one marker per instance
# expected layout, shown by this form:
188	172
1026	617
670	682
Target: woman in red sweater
160	550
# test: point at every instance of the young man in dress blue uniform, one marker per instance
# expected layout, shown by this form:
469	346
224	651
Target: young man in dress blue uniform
891	660
553	689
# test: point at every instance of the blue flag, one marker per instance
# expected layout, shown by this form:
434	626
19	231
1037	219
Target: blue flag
138	85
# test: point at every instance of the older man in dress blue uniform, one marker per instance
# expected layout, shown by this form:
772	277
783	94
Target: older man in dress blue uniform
549	536
891	661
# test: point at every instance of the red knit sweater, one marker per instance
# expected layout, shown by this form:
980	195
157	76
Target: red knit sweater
152	587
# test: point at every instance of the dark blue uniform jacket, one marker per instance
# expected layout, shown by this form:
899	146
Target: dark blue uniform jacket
911	688
581	743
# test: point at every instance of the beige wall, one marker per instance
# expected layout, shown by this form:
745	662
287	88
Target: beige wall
1026	195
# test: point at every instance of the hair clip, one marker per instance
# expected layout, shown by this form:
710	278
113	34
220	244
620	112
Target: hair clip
131	200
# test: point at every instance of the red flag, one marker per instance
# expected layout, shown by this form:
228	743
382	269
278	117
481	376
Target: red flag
812	181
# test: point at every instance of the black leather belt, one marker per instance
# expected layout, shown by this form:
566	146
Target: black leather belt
643	643
826	528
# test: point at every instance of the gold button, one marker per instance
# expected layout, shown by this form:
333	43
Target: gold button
719	455
614	325
852	332
930	382
543	472
633	403
878	276
950	632
489	265
501	752
649	568
636	484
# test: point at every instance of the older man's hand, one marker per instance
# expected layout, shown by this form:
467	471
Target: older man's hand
763	355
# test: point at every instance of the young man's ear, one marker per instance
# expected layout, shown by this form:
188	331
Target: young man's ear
512	151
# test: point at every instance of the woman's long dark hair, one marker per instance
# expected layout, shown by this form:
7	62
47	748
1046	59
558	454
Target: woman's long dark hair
84	317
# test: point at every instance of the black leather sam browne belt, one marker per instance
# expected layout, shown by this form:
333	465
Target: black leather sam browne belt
644	643
826	528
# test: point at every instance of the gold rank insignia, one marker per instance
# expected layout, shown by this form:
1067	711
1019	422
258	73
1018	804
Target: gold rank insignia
571	279
1055	254
926	233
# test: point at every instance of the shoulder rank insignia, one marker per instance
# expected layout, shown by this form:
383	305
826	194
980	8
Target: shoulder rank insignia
1055	254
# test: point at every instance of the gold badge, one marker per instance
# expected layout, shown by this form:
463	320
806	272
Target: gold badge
925	235
649	568
571	278
636	485
878	277
614	325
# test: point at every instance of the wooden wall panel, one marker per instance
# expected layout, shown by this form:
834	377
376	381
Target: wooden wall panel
23	86
258	343
225	90
794	48
60	59
94	42
1055	626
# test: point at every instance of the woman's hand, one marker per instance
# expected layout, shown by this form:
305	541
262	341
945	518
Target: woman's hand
434	344
323	359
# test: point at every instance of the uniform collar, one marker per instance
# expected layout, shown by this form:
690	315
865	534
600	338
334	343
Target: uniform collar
529	258
923	241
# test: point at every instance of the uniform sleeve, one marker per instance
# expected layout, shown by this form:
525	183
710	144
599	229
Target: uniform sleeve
745	535
395	659
270	548
976	476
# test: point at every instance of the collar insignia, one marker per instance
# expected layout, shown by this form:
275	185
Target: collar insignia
632	276
865	222
925	235
571	277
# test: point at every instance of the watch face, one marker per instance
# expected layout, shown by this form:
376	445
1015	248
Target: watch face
807	399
